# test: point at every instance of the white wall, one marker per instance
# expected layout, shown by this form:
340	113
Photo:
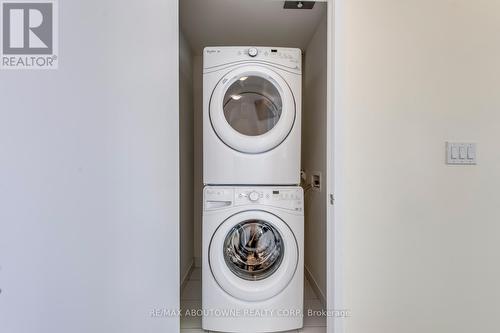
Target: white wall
422	242
314	154
186	113
89	202
198	154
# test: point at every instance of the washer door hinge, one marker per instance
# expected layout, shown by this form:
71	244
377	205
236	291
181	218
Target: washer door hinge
332	199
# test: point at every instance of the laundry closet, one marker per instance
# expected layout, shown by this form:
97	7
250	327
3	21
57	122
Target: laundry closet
266	26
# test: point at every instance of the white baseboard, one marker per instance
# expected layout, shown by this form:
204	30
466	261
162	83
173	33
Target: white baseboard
315	286
187	275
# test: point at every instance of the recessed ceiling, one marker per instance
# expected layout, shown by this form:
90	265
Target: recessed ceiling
247	22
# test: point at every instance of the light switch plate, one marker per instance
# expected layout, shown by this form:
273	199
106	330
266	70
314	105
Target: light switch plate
461	153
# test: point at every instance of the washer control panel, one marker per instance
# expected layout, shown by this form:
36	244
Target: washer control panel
290	198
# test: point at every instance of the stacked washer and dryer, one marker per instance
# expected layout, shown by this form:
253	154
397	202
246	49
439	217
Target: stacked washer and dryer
253	207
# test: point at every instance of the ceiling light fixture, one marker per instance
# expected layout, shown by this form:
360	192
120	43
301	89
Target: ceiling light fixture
299	4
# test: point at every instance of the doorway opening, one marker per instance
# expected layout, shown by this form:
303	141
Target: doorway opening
256	23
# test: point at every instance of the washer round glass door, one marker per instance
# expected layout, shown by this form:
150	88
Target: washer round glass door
253	250
252	109
253	255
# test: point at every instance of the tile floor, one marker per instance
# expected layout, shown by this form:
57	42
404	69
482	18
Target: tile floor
191	299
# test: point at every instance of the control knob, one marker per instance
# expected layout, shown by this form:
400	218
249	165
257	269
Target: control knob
252	52
253	196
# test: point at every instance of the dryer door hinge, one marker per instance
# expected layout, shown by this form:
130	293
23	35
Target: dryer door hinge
332	199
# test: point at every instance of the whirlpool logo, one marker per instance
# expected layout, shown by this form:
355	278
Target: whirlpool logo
29	34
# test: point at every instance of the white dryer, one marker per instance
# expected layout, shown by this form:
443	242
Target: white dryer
252	275
251	115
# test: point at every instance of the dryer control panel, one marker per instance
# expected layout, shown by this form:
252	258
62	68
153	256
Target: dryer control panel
290	198
291	58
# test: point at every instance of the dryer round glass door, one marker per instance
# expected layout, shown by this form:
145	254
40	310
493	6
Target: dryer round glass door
253	255
252	105
252	109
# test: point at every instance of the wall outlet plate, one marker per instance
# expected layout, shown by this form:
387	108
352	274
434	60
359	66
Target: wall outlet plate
461	153
316	181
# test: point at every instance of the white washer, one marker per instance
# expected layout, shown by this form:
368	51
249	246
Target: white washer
251	115
253	245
